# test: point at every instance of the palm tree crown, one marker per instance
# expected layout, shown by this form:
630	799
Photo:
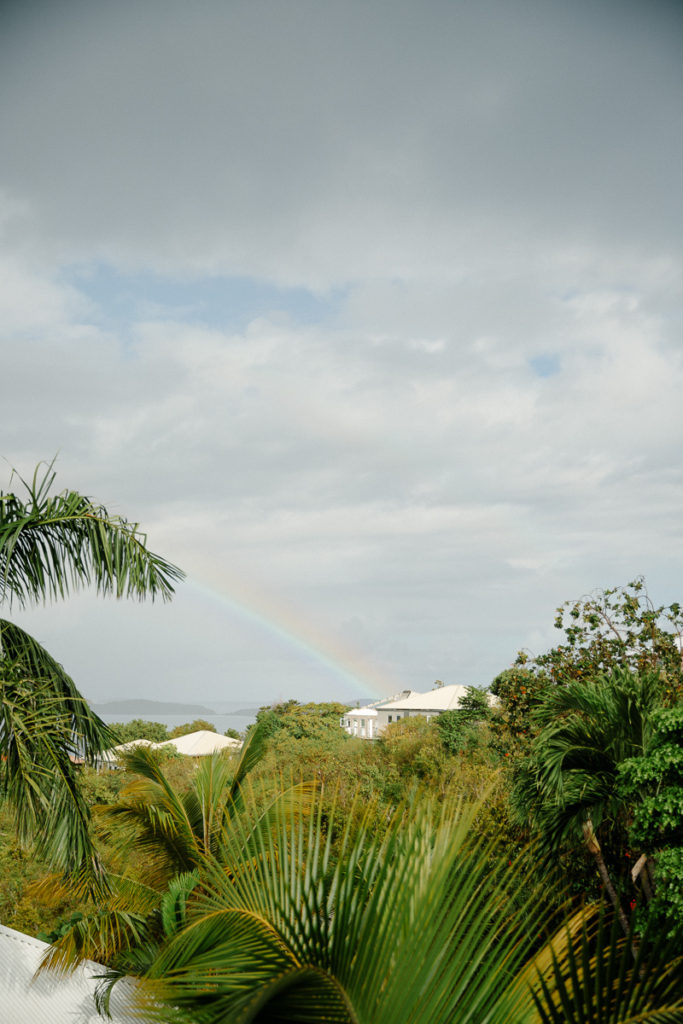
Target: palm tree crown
51	544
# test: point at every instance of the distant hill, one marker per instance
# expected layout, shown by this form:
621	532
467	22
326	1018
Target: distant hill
147	708
235	707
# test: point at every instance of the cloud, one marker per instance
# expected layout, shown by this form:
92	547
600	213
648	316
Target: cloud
369	307
315	145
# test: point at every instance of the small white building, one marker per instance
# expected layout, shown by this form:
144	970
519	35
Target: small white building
370	721
360	722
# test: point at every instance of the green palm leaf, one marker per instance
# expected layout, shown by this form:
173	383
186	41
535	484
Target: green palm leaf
316	921
44	725
597	979
51	544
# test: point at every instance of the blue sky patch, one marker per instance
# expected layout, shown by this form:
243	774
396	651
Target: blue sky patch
226	303
546	365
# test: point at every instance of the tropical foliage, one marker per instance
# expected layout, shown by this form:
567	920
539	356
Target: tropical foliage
139	729
306	915
50	545
652	783
156	835
438	875
567	788
620	627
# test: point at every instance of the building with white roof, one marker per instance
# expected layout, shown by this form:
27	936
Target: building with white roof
193	744
360	722
201	743
370	721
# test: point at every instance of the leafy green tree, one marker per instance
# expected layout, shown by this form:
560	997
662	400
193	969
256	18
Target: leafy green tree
520	692
188	727
50	545
620	627
302	734
567	788
139	729
653	784
457	728
232	734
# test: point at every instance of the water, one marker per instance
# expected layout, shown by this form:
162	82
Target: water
222	722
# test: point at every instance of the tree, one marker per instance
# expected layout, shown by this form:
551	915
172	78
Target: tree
457	727
50	545
319	920
567	787
188	727
139	729
171	831
653	783
520	691
620	627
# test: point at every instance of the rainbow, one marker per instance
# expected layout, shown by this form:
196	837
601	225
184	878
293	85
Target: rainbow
290	626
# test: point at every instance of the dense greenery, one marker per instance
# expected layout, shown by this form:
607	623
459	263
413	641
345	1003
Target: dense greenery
453	870
651	783
139	729
195	726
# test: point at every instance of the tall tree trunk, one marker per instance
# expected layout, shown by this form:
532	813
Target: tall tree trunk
593	847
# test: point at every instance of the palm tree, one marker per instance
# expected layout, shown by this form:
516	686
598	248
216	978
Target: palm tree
309	913
172	831
567	789
50	545
318	920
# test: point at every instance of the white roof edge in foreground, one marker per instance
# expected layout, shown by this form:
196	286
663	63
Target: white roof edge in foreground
53	998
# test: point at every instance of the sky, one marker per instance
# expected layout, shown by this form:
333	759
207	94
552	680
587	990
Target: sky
371	315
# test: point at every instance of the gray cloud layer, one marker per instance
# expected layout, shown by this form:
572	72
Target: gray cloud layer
488	418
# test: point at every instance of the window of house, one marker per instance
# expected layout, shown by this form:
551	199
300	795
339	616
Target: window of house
390	718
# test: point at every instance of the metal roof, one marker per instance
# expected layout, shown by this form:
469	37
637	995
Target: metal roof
51	998
202	742
442	699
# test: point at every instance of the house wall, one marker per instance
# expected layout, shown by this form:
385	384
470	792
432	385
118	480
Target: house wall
357	725
369	728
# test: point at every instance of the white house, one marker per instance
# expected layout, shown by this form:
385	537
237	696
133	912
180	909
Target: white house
360	722
370	721
363	721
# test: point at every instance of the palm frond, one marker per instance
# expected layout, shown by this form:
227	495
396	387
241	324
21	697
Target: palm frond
51	544
252	753
594	976
45	725
101	936
40	672
316	917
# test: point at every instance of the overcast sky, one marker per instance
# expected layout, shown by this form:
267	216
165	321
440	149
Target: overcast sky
370	313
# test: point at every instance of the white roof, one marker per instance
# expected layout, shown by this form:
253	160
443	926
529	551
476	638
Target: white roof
109	756
54	998
130	745
443	698
202	742
367	712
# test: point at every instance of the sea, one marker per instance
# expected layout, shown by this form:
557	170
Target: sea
222	722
